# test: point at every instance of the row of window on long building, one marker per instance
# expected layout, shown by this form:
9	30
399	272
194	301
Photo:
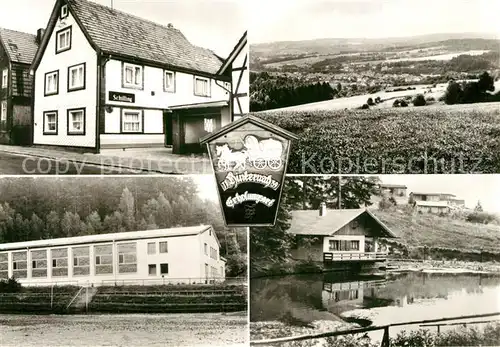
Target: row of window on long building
59	261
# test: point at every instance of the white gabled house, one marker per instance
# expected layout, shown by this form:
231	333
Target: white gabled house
108	79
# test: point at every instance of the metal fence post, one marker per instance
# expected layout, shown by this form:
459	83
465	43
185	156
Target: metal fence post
385	339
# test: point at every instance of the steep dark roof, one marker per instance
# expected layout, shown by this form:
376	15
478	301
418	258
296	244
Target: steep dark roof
118	32
309	222
20	47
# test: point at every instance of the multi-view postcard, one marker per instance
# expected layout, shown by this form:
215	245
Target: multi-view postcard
321	173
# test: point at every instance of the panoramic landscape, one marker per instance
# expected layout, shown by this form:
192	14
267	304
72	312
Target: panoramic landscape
391	101
425	249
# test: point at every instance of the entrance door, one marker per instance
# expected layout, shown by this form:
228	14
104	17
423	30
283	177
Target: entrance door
168	128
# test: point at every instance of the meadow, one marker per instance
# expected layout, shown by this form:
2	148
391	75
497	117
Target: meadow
415	140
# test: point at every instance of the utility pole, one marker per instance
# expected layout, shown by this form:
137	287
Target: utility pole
111	3
340	193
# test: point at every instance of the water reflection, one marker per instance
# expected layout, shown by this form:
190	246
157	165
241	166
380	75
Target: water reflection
299	300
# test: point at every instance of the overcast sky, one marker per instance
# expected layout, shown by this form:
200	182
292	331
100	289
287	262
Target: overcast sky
485	188
293	20
207	187
213	24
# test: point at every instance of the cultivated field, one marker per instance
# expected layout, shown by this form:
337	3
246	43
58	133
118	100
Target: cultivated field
430	139
124	330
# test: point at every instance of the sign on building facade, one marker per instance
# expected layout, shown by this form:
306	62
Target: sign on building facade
249	159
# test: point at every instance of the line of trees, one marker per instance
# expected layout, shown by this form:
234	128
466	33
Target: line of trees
471	92
270	91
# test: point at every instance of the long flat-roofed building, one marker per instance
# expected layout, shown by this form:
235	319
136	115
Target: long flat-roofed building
176	255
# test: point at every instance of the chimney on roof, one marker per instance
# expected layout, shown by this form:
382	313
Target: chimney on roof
39	35
322	209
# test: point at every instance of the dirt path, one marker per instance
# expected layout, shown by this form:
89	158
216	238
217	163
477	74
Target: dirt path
124	330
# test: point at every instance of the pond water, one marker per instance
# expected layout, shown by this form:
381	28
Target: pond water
372	299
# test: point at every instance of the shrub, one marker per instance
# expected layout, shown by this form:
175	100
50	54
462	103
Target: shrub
365	107
419	100
453	93
481	217
403	103
370	102
10	286
396	103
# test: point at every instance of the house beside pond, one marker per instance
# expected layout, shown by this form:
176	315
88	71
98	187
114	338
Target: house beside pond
337	236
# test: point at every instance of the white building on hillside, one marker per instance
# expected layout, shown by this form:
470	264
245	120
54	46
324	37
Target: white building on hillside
108	79
177	255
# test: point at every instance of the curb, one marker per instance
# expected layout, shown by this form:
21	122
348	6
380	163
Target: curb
89	163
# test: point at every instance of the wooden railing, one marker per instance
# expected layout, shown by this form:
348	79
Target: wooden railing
349	256
385	339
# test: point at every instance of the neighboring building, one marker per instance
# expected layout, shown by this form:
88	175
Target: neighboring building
439	203
338	235
393	190
177	255
436	207
237	63
17	50
416	196
456	202
108	79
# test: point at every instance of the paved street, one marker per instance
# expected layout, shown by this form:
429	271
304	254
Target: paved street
14	164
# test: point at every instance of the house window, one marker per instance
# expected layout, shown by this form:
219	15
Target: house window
63	42
164	269
208	125
5	78
344	245
54	262
164	247
206	248
201	86
132	76
169	81
3	115
76	77
33	264
64	11
121	259
152	269
50	123
76	122
334	245
132	121
98	260
152	248
51	83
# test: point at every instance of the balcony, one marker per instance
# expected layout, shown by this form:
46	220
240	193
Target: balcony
354	256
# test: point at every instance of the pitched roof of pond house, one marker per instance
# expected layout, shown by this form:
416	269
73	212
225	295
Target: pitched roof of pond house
115	32
309	222
123	236
20	47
